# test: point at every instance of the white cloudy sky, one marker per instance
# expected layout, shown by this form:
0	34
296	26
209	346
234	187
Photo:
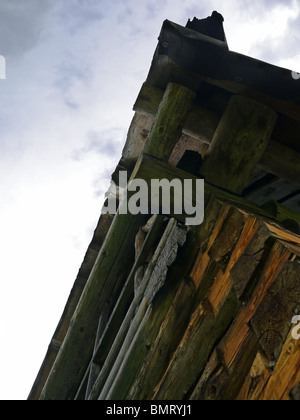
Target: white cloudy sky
74	69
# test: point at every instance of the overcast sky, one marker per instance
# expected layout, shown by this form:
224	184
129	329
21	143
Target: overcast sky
74	69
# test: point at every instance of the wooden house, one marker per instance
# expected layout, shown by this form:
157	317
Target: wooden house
165	311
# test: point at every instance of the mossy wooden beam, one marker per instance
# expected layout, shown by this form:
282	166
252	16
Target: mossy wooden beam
202	123
238	144
169	122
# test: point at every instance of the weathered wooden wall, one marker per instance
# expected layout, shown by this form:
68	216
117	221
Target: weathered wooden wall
219	326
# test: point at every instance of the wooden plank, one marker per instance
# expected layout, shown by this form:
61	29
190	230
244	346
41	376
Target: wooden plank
174	324
222	382
238	238
272	319
210	229
201	335
238	144
278	255
246	272
170	333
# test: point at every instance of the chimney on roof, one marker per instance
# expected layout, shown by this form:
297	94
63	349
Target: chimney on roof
212	26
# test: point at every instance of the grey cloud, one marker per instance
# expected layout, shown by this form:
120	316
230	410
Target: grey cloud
21	24
78	14
104	143
101	143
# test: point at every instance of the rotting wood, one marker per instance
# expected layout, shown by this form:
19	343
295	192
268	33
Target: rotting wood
173	326
129	362
169	335
238	144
